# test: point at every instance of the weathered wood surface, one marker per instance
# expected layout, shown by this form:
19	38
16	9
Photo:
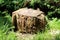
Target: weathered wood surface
28	20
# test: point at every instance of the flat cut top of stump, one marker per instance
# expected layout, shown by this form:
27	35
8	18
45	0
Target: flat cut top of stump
28	12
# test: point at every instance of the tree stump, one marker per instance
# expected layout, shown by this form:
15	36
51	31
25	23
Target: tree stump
28	20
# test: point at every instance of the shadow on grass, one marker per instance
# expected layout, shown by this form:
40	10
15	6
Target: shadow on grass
57	37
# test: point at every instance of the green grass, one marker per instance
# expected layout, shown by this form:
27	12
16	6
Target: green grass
43	36
46	36
9	36
6	28
54	24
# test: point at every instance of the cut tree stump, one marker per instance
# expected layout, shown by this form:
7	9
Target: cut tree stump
28	20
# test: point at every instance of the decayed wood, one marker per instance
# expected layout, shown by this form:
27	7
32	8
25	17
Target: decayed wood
28	20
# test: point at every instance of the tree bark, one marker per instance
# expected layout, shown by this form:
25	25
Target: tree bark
29	20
